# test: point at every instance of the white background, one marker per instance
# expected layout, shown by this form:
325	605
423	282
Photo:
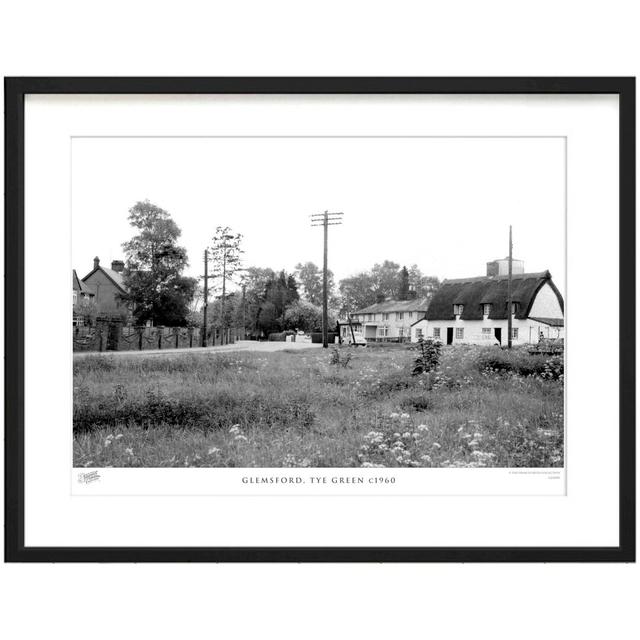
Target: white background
362	38
586	516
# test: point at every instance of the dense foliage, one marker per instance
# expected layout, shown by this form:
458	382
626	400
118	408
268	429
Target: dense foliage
157	290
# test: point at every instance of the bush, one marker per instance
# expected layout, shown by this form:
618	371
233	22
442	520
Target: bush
518	361
281	336
428	356
316	337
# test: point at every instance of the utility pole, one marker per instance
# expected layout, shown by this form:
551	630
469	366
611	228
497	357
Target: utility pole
325	220
206	297
224	287
509	295
244	311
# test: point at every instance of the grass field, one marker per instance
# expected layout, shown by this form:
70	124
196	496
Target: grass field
483	407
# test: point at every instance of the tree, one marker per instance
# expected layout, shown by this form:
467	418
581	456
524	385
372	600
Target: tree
403	284
304	316
225	255
425	286
385	280
357	292
156	288
309	275
254	283
385	277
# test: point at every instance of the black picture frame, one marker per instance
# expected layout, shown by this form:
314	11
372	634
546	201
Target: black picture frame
15	91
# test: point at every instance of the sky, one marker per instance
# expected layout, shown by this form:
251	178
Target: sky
444	204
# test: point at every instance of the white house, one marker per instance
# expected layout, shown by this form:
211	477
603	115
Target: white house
387	319
471	309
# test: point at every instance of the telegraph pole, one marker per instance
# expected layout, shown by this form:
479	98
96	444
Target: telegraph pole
206	297
325	220
509	295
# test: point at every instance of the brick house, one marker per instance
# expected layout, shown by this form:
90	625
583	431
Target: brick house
107	285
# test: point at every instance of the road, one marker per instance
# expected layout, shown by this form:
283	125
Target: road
240	345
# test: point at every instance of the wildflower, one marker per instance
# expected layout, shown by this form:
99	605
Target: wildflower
473	443
436	445
240	438
394	416
235	429
129	451
404	416
212	450
119	436
406	434
422	427
426	458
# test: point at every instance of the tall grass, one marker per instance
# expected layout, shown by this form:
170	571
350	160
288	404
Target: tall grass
481	407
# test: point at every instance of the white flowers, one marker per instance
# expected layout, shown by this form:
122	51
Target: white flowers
129	451
212	451
235	429
240	438
436	445
422	427
404	416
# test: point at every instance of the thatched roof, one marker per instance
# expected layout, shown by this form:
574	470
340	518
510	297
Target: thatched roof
391	306
474	292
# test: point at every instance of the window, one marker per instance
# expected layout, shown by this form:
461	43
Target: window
514	333
514	307
486	331
410	315
459	333
401	332
486	309
383	332
75	297
399	315
385	316
419	333
436	332
458	309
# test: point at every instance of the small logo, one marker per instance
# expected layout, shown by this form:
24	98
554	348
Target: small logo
88	477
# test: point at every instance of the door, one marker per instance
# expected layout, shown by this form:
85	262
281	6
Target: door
499	335
449	335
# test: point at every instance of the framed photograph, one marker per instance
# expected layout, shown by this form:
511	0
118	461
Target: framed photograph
320	319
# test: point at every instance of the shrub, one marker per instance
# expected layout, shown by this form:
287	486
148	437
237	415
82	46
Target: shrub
518	361
280	336
340	357
428	356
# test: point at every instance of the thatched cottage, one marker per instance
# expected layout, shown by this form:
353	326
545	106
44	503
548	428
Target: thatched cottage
475	309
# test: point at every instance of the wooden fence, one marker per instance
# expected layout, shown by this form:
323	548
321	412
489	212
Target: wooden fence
116	337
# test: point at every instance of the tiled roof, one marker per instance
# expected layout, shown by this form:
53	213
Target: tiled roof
389	306
78	285
552	322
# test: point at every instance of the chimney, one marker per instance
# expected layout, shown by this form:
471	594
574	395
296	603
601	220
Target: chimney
501	267
117	265
96	262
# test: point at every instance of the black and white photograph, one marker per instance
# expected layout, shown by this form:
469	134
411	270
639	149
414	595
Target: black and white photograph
318	301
